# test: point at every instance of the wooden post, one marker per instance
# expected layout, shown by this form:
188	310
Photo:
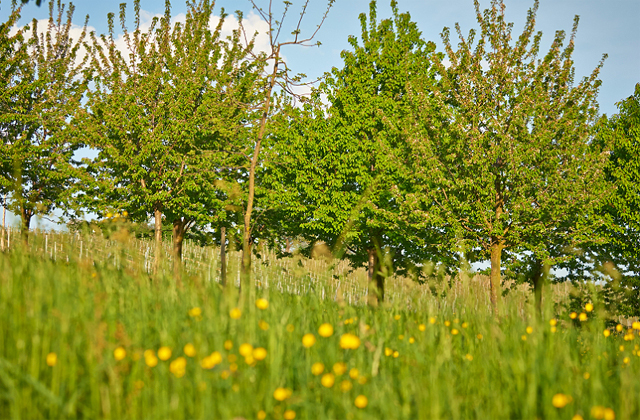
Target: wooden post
223	256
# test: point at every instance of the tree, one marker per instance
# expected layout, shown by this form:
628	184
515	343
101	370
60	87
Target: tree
507	139
37	149
343	166
161	116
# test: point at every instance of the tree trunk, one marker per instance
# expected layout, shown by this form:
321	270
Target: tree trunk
375	277
223	256
157	213
26	216
178	238
496	257
245	274
289	242
538	277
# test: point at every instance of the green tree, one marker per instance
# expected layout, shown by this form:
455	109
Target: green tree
343	166
162	116
37	149
507	139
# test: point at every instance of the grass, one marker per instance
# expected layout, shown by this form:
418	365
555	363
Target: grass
420	356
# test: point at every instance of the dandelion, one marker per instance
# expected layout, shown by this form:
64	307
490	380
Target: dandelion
233	367
597	412
455	331
150	358
317	368
626	360
621	348
554	329
235	313
396	354
225	374
119	353
412	340
354	373
388	351
261	415
606	333
282	394
586	375
447	323
524	337
189	350
469	357
52	359
588	307
327	380
262	303
361	401
479	336
346	385
582	316
560	400
529	330
308	340
228	345
349	341
339	368
465	325
289	415
573	315
195	312
553	322
362	380
249	360
245	349
259	353
422	327
609	414
325	330
164	353
397	317
577	417
619	327
432	320
263	325
635	325
178	367
401	337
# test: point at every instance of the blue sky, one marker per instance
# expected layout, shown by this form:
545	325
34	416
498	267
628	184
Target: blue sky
606	26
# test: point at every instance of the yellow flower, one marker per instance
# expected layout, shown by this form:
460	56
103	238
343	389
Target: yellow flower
249	359
432	320
362	380
465	325
396	354
216	357
349	341
454	331
328	380
354	373
282	394
290	328
588	307
339	368
346	385
573	315
317	368
636	325
586	375
397	317
178	367
119	353
233	367
325	330
262	303
109	215
479	336
553	322
308	340
361	401
606	333
150	358
577	417
263	325
225	374
235	313
621	348
388	351
125	213
626	360
422	327
259	353
189	349
560	400
195	312
469	357
261	415
289	415
447	323
619	327
228	345
582	317
609	414
597	412
412	340
164	353
52	359
245	349
401	337
554	329
529	330
524	337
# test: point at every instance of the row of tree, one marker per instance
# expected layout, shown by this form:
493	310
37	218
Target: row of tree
405	160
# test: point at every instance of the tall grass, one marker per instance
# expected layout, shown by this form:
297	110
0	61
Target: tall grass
422	355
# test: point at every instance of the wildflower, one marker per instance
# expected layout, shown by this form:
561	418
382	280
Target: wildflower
465	325
245	349
577	417
164	353
554	329
619	327
529	330
560	400
325	330
582	317
479	336
261	415
259	353
432	320
361	401
573	315
150	358
362	380
282	394
636	325
178	367
308	340
588	307
349	341
396	354
401	337
249	360
119	353
397	317
290	328
346	385
52	359
233	367
626	360
422	327
609	414
235	313
553	322
125	213
628	337
109	215
263	325
388	351
597	412
195	312
317	368
412	340
524	337
455	331
606	333
289	415
262	303
354	373
586	375
447	323
469	357
189	349
225	374
621	348
228	345
328	380
339	368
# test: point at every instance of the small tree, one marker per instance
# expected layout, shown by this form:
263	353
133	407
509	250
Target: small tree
508	139
37	146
